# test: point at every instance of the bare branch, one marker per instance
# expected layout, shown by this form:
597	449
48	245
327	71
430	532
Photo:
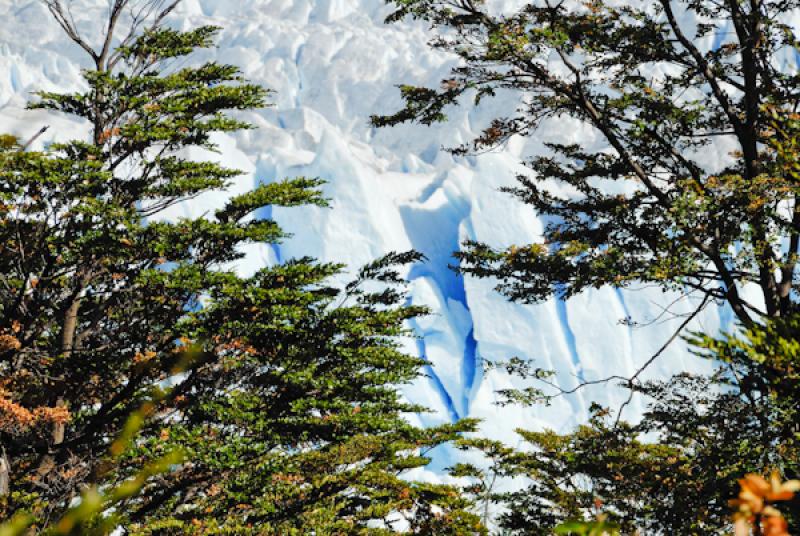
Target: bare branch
655	356
33	138
154	11
138	19
113	18
67	23
630	381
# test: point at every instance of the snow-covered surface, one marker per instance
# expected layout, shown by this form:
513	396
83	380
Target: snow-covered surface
332	63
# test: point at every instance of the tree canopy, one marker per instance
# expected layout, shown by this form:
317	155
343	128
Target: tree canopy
695	185
687	179
275	396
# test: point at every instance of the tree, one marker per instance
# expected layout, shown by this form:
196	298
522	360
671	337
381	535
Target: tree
676	470
278	390
651	207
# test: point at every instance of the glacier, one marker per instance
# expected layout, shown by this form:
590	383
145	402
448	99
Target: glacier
332	63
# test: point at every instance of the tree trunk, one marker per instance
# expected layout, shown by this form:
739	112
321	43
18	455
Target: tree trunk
59	428
70	324
5	474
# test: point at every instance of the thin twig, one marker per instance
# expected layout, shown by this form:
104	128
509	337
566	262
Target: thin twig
33	138
656	356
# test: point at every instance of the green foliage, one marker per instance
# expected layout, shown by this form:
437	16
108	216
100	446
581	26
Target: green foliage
645	206
288	420
95	511
676	470
8	142
641	202
588	528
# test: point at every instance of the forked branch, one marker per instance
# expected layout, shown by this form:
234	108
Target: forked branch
140	13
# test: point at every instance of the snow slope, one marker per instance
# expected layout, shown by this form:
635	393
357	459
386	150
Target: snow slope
332	63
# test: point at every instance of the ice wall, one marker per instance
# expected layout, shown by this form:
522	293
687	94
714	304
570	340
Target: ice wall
332	63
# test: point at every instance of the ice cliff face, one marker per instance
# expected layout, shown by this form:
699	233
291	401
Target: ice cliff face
332	63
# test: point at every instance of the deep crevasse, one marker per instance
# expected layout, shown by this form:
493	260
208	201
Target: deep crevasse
332	63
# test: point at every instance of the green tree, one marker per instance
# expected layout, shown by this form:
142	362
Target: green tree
650	207
675	471
288	417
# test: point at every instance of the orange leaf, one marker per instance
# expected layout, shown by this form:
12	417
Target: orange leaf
775	526
756	484
741	527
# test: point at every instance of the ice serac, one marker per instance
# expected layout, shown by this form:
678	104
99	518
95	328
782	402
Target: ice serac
332	63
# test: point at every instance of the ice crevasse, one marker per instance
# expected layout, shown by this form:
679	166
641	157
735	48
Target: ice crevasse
332	63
